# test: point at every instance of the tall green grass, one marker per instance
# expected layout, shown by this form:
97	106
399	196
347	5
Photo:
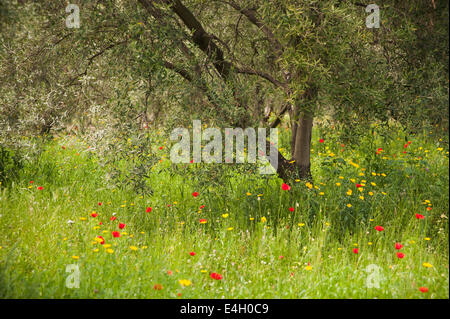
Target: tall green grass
251	238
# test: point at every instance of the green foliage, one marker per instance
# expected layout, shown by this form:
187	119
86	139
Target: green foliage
10	164
119	61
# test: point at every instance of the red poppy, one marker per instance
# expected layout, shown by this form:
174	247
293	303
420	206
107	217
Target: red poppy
113	218
192	161
94	215
40	188
148	210
203	206
195	194
192	253
121	226
157	287
281	257
31	182
103	240
358	185
100	223
379	228
203	221
285	187
321	140
169	272
216	276
116	234
398	246
406	145
419	216
355	250
423	289
99	204
291	209
400	255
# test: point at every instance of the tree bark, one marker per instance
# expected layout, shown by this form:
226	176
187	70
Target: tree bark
302	123
299	167
302	142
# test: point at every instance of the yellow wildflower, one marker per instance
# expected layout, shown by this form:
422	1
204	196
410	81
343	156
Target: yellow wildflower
185	282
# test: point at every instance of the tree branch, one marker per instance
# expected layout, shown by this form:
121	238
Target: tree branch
252	17
268	77
278	118
200	37
178	70
205	41
91	59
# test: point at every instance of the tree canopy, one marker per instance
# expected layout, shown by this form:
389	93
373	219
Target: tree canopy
240	63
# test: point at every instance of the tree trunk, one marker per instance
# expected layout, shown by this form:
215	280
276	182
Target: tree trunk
302	142
299	167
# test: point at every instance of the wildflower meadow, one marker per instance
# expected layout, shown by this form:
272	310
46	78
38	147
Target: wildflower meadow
209	149
365	228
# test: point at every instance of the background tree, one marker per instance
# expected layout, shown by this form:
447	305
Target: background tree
229	62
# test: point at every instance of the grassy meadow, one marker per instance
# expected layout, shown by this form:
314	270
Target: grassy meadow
372	224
